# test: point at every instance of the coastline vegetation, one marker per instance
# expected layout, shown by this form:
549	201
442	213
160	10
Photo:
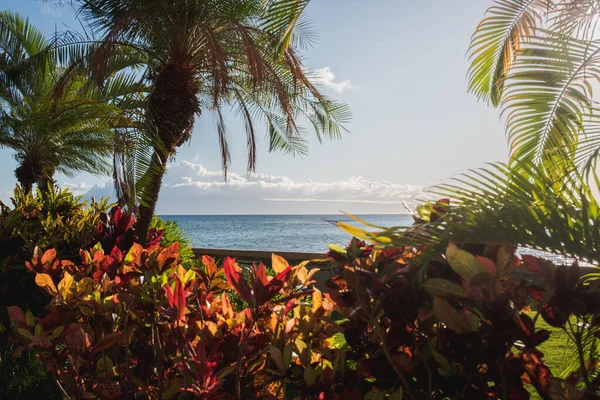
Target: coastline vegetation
104	301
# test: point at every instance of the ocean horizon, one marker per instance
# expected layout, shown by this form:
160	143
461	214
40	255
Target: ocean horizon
274	232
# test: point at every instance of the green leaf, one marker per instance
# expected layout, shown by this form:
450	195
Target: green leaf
397	395
464	263
277	356
287	354
310	375
444	367
443	287
376	394
459	321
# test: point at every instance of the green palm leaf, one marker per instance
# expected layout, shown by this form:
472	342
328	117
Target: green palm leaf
548	101
519	205
496	41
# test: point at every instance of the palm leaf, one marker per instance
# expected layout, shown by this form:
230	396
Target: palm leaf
548	101
519	205
496	41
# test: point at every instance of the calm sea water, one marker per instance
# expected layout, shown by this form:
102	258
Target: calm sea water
311	233
273	232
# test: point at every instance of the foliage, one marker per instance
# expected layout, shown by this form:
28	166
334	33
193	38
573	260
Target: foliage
172	233
67	133
463	332
22	377
199	57
121	323
55	219
141	323
500	204
538	60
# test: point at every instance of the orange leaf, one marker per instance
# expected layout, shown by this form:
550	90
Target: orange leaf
49	256
209	264
45	282
278	263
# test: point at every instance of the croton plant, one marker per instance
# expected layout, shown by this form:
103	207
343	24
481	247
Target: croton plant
390	324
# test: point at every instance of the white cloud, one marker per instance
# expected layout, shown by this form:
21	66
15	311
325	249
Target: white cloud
326	78
262	193
77	188
191	188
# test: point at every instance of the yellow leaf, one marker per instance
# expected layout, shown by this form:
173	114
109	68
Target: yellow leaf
300	345
317	300
354	231
45	282
302	274
85	286
65	285
278	263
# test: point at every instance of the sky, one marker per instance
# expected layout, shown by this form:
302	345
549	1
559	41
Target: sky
401	67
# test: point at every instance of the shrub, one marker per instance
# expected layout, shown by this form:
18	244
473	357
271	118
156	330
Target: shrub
172	233
463	332
54	219
140	323
57	220
407	322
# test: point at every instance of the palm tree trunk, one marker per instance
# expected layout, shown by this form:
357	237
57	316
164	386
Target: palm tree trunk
172	106
150	196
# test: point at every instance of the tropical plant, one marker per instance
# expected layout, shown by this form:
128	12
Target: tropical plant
56	220
208	56
67	135
464	330
538	60
119	325
519	205
172	233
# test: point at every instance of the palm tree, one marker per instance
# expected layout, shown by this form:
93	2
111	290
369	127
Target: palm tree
48	134
205	56
538	60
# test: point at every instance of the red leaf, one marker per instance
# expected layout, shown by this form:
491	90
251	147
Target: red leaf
30	266
180	302
489	265
277	283
170	296
233	273
16	315
289	305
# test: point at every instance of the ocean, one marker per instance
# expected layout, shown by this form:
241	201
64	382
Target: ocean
311	233
308	233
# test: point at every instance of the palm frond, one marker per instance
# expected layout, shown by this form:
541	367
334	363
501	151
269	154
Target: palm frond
519	205
548	101
495	42
281	19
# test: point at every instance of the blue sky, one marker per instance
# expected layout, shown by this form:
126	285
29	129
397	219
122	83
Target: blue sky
400	65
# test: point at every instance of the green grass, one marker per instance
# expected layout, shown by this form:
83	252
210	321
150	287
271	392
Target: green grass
556	349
